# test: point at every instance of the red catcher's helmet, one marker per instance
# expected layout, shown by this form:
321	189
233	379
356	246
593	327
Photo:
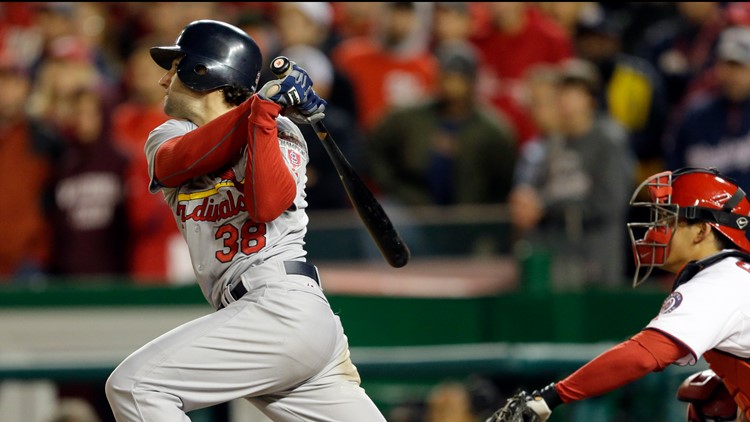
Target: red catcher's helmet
689	193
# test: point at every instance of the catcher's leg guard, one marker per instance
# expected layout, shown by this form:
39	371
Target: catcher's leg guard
707	397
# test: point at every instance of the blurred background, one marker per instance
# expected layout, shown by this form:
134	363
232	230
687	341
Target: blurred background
503	138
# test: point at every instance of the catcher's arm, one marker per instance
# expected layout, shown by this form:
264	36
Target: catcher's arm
525	407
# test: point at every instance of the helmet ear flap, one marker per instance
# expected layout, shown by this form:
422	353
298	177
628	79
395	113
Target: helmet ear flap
201	74
200	69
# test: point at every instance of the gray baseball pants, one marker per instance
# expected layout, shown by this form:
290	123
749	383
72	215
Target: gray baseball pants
280	346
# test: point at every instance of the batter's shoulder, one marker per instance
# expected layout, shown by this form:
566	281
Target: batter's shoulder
166	131
172	128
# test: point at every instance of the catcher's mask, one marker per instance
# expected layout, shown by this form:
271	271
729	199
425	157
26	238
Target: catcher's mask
691	194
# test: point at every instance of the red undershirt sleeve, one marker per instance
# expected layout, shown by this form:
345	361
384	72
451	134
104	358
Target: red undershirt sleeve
204	149
270	188
648	351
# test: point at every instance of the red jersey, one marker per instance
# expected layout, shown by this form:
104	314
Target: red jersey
505	58
150	222
384	79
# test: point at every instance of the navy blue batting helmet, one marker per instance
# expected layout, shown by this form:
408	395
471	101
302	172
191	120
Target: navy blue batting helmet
215	55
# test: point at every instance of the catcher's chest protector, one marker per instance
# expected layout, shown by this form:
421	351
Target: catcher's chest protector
736	375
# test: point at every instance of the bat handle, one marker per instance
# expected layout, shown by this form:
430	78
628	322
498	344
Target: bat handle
281	66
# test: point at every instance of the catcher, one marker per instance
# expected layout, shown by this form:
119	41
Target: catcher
697	230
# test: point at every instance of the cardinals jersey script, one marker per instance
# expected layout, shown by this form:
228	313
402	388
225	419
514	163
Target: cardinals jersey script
210	212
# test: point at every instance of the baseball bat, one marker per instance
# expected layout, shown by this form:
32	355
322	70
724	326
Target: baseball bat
378	224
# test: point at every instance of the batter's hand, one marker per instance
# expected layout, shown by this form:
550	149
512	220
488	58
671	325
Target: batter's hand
295	92
522	407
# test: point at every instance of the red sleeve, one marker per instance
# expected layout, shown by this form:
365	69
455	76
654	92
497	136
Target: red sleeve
646	352
270	188
204	149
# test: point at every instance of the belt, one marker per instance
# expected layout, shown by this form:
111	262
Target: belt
291	267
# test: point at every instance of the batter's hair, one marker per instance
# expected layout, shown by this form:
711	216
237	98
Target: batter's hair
236	94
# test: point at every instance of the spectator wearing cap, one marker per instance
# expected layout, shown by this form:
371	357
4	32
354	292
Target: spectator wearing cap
714	129
446	150
575	183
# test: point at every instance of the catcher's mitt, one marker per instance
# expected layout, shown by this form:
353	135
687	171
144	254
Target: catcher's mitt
515	409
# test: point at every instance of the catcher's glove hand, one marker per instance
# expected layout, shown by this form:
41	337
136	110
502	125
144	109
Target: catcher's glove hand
522	407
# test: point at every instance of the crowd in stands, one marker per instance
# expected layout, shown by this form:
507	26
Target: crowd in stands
556	109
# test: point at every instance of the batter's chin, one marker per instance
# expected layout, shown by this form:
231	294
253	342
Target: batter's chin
169	108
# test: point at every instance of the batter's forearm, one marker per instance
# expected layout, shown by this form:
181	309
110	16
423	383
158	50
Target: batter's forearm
269	188
204	149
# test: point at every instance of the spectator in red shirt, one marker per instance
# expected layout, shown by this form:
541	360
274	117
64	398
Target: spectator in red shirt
518	36
24	177
393	67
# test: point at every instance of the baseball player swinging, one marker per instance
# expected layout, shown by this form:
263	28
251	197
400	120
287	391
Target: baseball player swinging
697	230
233	172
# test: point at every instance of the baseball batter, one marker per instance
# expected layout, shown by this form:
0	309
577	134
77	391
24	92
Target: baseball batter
232	169
697	230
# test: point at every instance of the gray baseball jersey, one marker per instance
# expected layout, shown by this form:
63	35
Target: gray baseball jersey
279	346
210	213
